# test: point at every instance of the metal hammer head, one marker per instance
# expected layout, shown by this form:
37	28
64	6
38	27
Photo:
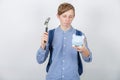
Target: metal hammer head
47	21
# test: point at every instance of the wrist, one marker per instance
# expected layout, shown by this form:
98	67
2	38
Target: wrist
42	46
85	52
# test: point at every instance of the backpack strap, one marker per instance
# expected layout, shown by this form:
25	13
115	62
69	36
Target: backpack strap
80	67
79	32
50	39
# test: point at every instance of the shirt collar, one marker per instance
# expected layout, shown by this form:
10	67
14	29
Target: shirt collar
69	30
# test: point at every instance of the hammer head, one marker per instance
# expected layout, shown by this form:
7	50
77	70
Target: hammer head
47	21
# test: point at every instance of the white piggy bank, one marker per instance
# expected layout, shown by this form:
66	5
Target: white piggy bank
77	40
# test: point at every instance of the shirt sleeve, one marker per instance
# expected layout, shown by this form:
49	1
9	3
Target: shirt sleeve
89	58
42	54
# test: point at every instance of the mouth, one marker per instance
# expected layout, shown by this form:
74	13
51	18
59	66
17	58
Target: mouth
66	23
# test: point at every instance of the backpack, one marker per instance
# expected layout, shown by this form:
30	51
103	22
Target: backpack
51	35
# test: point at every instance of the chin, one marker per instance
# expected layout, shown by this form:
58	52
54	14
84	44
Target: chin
67	25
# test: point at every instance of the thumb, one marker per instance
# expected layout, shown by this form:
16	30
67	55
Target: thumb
84	42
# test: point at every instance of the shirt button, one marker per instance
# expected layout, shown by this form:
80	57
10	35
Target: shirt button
62	68
64	37
63	61
64	45
62	76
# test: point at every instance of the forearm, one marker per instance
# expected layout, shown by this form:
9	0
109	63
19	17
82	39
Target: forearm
87	55
86	52
42	54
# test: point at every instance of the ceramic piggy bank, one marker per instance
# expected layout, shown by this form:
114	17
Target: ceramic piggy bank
77	40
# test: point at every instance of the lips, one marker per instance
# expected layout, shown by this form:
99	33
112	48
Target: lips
67	23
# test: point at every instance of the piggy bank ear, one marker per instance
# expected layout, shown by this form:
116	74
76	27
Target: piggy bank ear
83	37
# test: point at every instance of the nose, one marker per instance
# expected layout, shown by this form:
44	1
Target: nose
67	19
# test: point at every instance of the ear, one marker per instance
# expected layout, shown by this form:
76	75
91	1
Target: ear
58	16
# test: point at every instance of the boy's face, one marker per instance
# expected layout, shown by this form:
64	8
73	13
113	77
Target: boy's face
66	18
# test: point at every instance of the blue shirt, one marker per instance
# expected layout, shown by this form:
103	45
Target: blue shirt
64	57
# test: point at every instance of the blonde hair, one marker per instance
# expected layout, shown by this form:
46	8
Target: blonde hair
65	7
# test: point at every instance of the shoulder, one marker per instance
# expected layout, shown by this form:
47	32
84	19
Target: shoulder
52	30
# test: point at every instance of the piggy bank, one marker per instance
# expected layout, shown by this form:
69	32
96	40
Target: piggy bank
77	40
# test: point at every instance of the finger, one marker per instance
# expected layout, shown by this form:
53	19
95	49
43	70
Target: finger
44	38
78	48
75	47
45	33
85	41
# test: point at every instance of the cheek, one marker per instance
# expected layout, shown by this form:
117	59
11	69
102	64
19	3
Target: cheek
71	19
62	20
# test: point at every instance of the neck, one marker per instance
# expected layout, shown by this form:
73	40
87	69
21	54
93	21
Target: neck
65	28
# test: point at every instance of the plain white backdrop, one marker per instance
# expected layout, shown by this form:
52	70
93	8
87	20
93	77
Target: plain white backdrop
22	24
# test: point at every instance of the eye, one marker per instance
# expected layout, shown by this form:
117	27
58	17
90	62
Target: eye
71	16
64	16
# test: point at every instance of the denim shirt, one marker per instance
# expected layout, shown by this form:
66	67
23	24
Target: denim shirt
64	57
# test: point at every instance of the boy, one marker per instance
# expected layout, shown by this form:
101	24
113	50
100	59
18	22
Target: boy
64	64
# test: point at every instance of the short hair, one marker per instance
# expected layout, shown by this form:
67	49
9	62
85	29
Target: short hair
65	7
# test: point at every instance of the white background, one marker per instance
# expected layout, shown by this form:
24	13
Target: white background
22	24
